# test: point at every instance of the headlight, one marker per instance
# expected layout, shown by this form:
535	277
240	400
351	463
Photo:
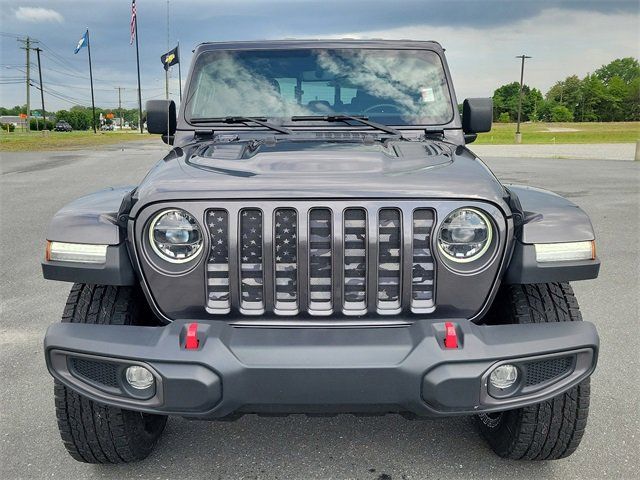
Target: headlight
175	236
465	235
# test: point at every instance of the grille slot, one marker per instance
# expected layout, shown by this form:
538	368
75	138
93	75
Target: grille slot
355	261
422	265
218	300
251	270
285	244
320	261
389	260
102	373
545	370
343	258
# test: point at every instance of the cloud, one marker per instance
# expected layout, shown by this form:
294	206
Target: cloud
561	44
38	15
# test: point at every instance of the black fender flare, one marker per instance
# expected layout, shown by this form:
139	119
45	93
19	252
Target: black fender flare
92	219
547	217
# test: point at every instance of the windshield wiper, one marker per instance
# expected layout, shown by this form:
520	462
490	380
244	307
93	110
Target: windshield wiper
344	118
257	120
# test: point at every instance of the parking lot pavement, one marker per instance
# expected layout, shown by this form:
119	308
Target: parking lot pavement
591	151
34	185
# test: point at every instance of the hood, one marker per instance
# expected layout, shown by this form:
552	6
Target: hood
319	169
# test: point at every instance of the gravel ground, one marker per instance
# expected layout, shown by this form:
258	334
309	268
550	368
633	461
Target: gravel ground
34	185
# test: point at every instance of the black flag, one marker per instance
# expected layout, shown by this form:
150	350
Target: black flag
170	58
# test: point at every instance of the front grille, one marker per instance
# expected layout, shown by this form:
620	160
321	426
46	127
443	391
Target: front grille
542	371
102	373
324	260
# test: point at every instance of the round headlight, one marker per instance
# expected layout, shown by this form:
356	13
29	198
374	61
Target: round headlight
175	236
465	235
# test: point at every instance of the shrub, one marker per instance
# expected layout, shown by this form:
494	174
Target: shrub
560	113
504	117
7	127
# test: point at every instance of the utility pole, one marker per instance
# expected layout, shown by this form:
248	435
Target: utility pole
27	46
120	104
44	115
518	134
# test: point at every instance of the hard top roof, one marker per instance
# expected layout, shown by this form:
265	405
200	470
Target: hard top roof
320	43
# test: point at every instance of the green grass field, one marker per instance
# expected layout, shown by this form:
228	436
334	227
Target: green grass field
549	133
34	141
501	134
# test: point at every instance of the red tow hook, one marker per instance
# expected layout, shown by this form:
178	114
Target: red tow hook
191	340
450	336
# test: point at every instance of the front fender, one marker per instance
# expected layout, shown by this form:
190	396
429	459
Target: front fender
92	219
548	218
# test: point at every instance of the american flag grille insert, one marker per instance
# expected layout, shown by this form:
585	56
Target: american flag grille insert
355	260
291	257
389	259
218	300
422	271
285	243
251	271
320	261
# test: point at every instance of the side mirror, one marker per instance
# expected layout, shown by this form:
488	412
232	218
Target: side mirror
477	116
161	118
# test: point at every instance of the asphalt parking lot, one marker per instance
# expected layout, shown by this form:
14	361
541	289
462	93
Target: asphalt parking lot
33	186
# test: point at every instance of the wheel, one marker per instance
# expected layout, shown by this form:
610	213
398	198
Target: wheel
90	431
552	429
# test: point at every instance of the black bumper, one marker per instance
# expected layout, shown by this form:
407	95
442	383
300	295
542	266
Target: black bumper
320	370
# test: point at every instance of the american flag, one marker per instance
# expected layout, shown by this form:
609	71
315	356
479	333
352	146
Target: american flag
133	22
218	229
286	255
218	268
251	255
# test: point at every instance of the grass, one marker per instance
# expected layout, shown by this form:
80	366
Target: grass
36	141
549	133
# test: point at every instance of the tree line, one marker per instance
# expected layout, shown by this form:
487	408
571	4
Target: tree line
610	94
79	117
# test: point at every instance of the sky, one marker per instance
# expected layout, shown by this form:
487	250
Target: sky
481	38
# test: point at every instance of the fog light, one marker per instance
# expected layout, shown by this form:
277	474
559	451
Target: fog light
139	377
504	376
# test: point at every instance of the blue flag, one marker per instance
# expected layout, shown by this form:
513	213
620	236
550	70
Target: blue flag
82	42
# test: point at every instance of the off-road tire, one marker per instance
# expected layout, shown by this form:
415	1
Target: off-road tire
90	431
552	429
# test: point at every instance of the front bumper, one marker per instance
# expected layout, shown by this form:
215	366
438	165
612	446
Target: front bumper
320	370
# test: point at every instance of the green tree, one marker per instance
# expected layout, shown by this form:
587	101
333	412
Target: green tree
593	99
560	113
505	100
632	101
566	93
628	69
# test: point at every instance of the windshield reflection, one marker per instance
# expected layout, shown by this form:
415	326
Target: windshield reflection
394	87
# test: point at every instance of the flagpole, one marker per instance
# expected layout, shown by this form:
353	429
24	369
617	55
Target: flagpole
93	103
166	70
179	71
138	63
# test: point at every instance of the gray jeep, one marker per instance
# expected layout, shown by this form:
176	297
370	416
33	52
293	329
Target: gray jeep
320	240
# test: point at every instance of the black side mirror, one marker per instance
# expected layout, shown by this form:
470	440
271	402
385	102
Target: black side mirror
477	116
161	118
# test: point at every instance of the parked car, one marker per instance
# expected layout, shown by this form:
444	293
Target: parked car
63	127
320	240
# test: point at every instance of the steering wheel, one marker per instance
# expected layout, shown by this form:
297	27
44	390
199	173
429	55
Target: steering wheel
382	106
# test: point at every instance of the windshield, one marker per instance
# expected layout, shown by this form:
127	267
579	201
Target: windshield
396	87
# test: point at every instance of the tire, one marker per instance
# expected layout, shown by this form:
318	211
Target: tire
552	429
92	432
